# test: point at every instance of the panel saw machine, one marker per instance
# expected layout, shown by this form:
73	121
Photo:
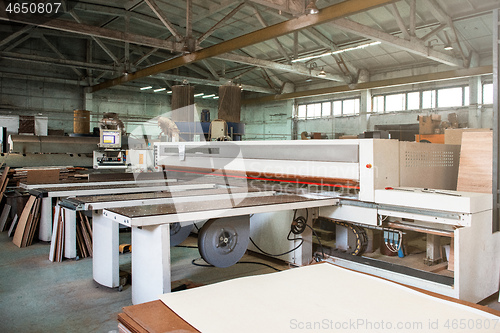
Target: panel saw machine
395	187
366	191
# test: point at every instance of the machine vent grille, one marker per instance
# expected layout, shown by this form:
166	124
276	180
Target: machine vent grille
429	159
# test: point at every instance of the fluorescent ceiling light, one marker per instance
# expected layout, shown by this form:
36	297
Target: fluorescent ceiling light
208	96
161	89
146	88
448	47
216	97
169	92
198	95
336	52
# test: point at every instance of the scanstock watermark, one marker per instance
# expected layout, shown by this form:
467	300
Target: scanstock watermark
369	325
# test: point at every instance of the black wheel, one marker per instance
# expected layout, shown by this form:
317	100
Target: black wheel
222	242
178	234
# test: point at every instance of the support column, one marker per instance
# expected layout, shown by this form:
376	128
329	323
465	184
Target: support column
69	233
105	248
475	102
45	232
365	107
150	262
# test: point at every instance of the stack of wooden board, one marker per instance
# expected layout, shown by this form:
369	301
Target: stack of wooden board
42	175
83	236
28	223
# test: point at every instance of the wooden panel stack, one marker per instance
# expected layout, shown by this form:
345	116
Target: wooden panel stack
28	223
83	236
66	174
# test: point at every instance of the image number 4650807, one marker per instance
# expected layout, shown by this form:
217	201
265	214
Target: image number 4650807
34	11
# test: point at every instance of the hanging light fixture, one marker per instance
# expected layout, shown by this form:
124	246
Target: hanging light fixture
322	73
311	8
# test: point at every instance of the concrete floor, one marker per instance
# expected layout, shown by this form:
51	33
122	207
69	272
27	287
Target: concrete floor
37	295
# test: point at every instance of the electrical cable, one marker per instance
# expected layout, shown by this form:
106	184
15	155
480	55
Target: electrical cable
319	242
239	262
281	254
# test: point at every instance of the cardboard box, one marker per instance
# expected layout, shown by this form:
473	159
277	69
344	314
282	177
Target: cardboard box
428	124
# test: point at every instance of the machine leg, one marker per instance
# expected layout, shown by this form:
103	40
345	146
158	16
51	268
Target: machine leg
69	233
434	254
45	233
105	245
303	255
150	262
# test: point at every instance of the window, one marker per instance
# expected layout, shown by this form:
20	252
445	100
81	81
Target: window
450	97
429	99
337	108
488	93
345	107
413	100
301	114
350	107
326	109
378	104
314	110
395	102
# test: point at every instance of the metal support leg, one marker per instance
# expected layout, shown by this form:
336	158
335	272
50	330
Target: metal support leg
69	233
45	232
150	262
434	252
303	255
105	245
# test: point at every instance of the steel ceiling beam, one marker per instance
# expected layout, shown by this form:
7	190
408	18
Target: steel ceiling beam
54	61
327	14
454	74
414	45
163	18
296	68
84	29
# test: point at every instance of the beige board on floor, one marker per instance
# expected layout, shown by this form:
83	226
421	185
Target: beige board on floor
476	169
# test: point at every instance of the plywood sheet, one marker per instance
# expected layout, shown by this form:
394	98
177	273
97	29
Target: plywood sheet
23	220
3	182
274	303
12	226
475	170
453	136
155	317
5	215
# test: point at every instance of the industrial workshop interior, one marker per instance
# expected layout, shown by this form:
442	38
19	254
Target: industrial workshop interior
249	166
